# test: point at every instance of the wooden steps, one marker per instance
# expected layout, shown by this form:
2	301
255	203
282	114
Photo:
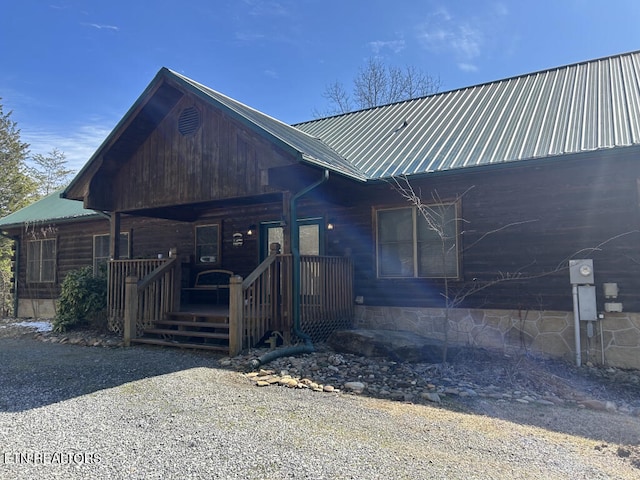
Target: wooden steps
204	331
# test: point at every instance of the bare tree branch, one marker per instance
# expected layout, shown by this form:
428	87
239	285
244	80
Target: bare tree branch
377	84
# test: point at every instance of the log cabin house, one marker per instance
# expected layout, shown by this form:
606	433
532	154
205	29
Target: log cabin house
523	174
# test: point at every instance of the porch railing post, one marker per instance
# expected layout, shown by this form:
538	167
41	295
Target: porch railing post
236	320
130	309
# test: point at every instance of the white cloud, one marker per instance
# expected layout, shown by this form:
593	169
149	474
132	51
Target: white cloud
463	40
271	73
102	27
262	8
249	36
396	46
467	67
466	38
78	144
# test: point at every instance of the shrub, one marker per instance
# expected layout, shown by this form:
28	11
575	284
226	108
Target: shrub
83	299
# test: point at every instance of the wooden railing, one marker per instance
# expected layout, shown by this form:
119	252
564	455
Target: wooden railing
326	294
153	295
263	301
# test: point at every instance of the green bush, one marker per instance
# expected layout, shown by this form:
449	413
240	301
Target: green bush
83	299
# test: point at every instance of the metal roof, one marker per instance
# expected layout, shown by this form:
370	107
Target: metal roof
577	108
311	149
47	209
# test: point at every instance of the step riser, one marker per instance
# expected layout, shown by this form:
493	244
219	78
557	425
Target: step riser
164	343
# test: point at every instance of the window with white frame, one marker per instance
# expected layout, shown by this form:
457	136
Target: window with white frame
411	243
208	244
41	261
101	244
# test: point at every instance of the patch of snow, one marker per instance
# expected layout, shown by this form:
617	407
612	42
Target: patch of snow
39	326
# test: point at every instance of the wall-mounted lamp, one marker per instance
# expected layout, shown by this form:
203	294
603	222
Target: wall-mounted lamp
252	229
331	224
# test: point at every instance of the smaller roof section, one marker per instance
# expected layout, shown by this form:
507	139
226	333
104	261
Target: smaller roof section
51	208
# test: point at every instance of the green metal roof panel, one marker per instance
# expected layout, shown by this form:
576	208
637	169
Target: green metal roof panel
577	108
48	209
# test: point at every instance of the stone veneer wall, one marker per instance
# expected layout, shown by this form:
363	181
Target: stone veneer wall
547	333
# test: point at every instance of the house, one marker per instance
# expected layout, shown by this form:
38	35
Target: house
525	174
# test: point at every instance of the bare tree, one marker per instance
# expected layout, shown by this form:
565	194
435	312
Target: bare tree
378	84
50	172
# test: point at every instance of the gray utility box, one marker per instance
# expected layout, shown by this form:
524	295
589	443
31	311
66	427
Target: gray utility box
581	271
587	303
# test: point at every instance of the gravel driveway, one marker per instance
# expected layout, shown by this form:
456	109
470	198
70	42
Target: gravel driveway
80	412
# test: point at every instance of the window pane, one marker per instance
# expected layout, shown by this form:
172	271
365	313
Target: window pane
310	239
395	243
437	249
396	259
124	246
48	267
48	273
395	225
274	235
207	248
33	261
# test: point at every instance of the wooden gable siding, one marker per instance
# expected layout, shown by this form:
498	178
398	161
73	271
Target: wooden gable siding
222	159
571	205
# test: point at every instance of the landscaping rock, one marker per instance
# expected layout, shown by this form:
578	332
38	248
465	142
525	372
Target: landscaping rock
397	345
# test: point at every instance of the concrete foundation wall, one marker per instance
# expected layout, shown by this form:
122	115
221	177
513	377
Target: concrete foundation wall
28	308
615	341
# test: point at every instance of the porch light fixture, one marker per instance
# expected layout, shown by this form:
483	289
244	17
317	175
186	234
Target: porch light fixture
252	229
331	224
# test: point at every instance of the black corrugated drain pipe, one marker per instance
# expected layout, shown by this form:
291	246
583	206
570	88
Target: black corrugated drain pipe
295	251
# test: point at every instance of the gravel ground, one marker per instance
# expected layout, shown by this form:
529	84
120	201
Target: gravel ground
68	411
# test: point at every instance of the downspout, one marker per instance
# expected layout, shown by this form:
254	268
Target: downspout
15	272
295	251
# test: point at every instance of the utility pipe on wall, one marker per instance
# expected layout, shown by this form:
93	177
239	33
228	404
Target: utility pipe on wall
576	323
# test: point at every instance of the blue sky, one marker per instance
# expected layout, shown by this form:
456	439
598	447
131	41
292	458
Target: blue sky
71	68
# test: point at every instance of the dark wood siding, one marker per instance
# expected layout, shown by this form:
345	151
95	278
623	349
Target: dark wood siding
571	205
222	159
555	209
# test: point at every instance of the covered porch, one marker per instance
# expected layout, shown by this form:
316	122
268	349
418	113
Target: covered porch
193	172
144	304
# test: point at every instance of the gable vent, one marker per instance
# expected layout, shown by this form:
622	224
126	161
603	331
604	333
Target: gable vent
189	121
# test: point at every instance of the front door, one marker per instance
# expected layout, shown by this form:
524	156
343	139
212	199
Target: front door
311	236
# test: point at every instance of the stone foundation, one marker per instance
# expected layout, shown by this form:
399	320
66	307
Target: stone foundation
546	333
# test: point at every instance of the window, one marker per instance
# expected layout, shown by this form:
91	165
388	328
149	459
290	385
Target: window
41	261
410	246
208	244
101	248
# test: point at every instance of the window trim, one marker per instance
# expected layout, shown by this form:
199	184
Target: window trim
40	260
415	215
218	260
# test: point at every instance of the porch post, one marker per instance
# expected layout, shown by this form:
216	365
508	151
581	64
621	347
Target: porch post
130	309
114	247
236	326
287	228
